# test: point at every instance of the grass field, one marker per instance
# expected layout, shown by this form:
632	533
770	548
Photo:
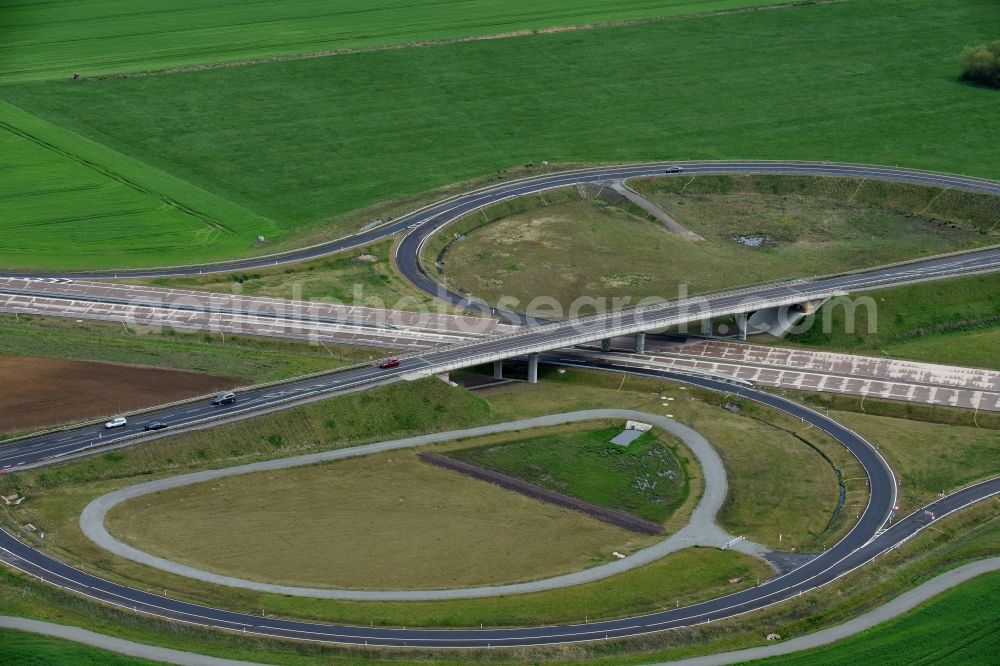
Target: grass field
959	627
250	359
343	278
46	40
645	479
566	248
930	457
67	201
26	649
386	521
302	142
947	321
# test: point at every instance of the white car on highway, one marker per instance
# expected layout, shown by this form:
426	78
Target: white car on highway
116	422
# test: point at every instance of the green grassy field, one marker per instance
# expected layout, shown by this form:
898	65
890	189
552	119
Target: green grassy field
645	479
385	521
959	627
68	201
947	321
54	40
302	142
26	649
566	248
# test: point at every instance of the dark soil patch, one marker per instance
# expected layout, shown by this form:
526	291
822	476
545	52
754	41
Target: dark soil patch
41	392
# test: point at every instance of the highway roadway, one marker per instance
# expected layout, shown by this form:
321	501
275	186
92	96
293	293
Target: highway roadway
866	540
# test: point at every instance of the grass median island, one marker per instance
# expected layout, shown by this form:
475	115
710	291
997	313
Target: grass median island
958	627
755	229
645	479
364	277
953	321
929	457
57	495
969	535
386	521
300	143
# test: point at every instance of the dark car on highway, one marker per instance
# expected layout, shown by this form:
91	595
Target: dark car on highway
226	398
155	425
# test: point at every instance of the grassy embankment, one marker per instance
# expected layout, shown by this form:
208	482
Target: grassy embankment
958	627
950	321
101	37
26	649
251	359
254	138
363	277
645	479
807	226
385	521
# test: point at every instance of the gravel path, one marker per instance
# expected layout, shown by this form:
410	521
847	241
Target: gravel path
701	530
901	604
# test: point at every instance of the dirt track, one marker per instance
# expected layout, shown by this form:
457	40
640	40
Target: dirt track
39	392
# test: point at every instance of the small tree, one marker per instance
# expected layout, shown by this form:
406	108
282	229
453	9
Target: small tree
981	64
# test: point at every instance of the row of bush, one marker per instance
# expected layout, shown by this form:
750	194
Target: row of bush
981	64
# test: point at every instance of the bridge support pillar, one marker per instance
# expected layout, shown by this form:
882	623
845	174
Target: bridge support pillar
741	324
640	343
532	368
706	327
498	369
606	344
